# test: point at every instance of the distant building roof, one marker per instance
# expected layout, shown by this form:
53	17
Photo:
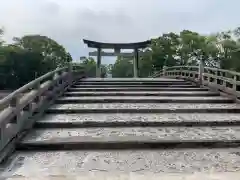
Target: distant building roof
94	44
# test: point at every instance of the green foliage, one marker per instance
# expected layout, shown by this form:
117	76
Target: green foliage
90	66
220	50
18	67
28	58
1	34
123	67
50	49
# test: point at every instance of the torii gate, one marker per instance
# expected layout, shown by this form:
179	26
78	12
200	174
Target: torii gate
117	52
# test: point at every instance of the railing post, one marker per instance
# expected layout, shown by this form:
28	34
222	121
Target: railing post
70	73
201	71
70	67
14	103
164	71
235	83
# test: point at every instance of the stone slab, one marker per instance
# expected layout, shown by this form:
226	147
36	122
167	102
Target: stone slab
142	93
134	120
132	82
134	176
137	89
131	79
212	164
136	134
149	97
143	99
144	108
198	117
132	86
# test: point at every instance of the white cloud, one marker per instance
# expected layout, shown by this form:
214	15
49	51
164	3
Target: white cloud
69	21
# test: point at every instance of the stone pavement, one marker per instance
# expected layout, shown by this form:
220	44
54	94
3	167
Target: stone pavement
132	129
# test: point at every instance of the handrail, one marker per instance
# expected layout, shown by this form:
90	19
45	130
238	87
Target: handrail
223	80
19	106
26	87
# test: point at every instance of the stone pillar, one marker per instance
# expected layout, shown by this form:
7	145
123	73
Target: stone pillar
201	71
164	71
98	70
135	63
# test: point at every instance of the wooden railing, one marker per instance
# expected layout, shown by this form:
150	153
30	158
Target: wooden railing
19	106
217	79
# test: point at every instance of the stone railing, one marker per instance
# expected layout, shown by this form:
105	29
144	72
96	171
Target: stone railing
18	107
217	79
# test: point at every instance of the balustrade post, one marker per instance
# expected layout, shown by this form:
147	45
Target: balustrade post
201	72
164	71
37	88
14	103
235	83
70	73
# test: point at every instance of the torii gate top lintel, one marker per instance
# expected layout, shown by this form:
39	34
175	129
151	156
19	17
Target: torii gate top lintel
117	47
137	45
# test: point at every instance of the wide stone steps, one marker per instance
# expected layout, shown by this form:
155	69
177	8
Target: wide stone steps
127	83
137	120
142	93
140	99
133	86
106	89
194	164
131	138
144	108
141	124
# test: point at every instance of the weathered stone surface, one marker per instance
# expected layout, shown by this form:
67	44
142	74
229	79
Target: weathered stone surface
142	93
67	163
139	99
118	117
62	164
137	89
137	120
137	134
135	176
131	79
144	106
148	97
133	86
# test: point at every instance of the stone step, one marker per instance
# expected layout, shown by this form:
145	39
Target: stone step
133	83
136	120
131	80
137	89
142	99
140	93
134	86
131	138
144	108
137	164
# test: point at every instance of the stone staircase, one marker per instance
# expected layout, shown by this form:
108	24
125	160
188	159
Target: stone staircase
143	126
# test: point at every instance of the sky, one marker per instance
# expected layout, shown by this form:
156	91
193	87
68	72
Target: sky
69	21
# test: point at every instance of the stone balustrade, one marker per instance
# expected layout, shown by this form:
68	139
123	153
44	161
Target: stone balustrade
18	107
217	79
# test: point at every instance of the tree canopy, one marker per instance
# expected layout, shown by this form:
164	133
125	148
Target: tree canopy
28	58
220	50
90	67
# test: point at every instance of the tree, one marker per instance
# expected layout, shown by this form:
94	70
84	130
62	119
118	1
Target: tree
123	67
1	34
53	53
28	58
18	67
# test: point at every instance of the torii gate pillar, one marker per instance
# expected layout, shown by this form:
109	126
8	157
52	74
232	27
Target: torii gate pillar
135	63
117	47
98	70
